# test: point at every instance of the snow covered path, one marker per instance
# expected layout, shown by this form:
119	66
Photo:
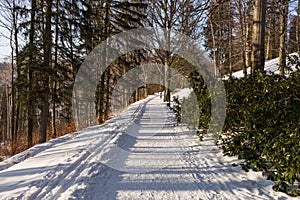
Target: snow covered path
139	154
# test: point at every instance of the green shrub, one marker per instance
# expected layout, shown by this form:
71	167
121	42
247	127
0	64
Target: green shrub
263	123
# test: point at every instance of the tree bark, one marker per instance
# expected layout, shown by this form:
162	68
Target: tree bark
47	65
268	45
29	74
298	27
17	93
271	40
258	36
54	87
248	46
283	36
106	34
230	39
213	47
243	24
13	88
166	26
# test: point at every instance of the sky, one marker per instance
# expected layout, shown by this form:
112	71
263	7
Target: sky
4	45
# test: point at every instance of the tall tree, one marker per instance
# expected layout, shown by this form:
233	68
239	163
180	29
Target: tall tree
294	31
224	33
258	36
283	35
30	107
116	16
298	27
248	37
47	45
9	21
293	43
55	66
173	15
272	33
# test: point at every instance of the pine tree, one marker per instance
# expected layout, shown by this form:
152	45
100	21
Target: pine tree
30	108
47	45
117	16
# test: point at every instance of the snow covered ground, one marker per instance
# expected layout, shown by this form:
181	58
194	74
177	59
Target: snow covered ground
271	66
139	154
181	93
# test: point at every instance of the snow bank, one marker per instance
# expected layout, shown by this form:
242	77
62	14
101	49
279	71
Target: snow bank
271	66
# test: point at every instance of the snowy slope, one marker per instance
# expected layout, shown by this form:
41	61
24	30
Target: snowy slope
271	66
139	154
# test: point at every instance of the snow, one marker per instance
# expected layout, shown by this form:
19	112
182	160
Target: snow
182	93
139	154
271	66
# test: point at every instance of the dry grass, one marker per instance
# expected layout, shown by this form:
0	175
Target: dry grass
12	147
61	130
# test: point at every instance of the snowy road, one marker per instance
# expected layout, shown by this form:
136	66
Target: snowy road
139	154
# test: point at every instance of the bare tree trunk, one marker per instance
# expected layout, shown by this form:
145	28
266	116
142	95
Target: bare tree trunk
167	60
8	103
283	35
13	91
4	108
74	74
16	40
230	40
243	24
107	102
258	36
13	98
167	80
298	27
268	45
29	74
55	74
47	63
214	46
145	81
248	40
106	34
271	27
6	117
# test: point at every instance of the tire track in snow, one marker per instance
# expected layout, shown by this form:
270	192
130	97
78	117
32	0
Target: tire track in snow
58	180
200	172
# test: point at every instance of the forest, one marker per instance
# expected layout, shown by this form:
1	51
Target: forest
50	39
